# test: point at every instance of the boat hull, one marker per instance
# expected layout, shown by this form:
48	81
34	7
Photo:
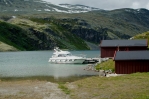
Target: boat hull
69	61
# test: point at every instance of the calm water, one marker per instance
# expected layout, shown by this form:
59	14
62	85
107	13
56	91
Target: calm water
35	63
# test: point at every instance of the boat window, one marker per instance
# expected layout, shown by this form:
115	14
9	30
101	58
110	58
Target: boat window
68	54
53	55
61	55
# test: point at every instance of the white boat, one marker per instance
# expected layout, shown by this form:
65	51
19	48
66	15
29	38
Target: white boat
60	56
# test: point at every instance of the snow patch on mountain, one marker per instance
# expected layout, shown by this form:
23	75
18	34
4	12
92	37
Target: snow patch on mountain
16	10
41	5
136	11
47	10
78	8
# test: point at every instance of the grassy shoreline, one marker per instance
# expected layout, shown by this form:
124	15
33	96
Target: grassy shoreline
131	86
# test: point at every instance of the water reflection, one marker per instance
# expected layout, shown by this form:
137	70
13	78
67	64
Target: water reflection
66	70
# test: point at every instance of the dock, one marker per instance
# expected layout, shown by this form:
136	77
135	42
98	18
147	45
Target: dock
94	60
91	60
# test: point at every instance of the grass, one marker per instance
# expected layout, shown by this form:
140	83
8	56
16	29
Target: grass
132	86
144	35
109	64
64	88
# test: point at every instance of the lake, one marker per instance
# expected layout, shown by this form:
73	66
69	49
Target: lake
34	64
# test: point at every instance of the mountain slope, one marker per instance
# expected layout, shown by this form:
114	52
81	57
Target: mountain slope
28	35
65	25
119	24
15	36
6	47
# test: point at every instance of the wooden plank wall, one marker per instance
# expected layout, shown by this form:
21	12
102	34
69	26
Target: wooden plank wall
127	67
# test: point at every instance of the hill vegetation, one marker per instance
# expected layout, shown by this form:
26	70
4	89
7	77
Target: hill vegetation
109	64
15	36
144	35
25	34
6	47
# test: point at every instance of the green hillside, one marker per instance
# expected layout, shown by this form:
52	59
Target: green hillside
28	35
144	35
15	36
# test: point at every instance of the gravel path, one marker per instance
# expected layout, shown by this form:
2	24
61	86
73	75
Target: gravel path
30	90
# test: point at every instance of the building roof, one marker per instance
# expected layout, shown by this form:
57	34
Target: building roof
123	43
132	55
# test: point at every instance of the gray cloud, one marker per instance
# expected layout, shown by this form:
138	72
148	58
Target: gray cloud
107	4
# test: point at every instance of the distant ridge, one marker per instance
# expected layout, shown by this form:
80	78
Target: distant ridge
41	6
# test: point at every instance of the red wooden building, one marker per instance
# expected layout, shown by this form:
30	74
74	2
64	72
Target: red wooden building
109	47
127	62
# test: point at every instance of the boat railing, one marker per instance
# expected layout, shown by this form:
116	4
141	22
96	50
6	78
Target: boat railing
54	56
80	55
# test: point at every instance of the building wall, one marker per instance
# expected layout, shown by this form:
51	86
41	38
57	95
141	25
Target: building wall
107	51
127	67
110	51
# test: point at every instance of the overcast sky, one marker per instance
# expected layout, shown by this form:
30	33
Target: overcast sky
107	4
